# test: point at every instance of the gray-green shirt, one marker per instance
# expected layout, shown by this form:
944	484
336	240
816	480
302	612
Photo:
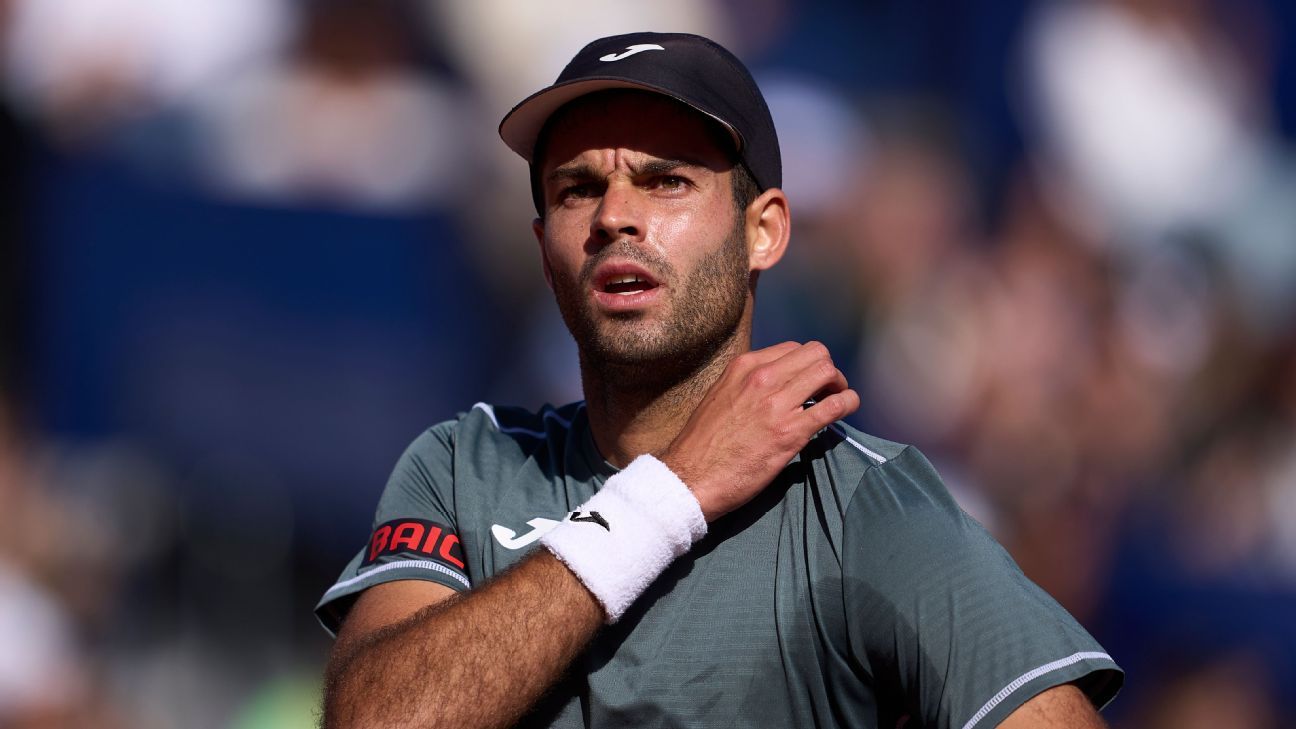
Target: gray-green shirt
852	592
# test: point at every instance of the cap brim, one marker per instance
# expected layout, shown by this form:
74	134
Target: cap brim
520	128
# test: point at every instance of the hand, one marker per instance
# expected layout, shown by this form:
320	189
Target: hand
753	421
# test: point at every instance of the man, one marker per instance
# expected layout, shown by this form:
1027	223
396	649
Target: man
700	542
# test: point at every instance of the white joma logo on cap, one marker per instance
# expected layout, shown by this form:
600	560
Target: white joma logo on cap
631	50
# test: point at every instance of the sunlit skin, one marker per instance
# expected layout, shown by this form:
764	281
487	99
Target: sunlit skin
637	184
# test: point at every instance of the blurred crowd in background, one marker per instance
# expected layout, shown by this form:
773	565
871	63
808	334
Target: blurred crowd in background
249	249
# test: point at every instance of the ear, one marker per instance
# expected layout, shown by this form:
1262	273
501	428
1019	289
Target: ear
769	226
537	227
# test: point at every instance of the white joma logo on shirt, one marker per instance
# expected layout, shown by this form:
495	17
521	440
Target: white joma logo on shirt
510	539
631	50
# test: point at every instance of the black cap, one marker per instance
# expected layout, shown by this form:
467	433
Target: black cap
688	68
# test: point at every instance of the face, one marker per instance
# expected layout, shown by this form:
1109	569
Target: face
641	242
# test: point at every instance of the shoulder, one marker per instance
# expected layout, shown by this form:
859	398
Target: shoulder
894	478
879	487
939	610
508	427
898	506
845	444
508	422
859	466
491	440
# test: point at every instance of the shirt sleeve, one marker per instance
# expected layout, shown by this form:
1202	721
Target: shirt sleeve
941	618
414	535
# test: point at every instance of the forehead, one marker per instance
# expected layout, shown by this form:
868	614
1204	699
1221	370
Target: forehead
652	124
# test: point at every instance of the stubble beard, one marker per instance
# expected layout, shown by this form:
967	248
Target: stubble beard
631	352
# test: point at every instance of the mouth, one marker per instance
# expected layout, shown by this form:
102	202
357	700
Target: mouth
624	288
623	280
627	285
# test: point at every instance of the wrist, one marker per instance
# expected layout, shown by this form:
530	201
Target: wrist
619	541
693	481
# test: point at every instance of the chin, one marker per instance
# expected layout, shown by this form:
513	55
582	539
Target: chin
658	346
650	358
630	349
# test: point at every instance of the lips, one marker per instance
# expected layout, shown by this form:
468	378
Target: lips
623	287
623	279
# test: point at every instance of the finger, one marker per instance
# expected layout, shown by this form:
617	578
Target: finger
772	353
830	409
803	355
815	382
806	362
752	361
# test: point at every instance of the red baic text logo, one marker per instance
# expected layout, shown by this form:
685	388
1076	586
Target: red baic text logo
415	536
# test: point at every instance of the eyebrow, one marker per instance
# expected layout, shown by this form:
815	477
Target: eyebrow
664	166
583	171
580	171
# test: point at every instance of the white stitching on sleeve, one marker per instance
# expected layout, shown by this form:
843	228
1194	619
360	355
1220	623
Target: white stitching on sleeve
1029	676
414	564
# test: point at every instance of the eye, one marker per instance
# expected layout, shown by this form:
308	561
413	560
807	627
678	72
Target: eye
669	182
577	191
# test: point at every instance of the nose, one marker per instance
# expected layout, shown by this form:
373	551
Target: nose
619	215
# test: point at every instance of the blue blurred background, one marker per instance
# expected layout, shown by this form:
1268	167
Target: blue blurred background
250	248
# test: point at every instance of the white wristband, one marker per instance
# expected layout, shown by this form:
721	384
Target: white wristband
618	542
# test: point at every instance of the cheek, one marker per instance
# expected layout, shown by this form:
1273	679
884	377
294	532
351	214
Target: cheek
562	270
564	247
673	229
690	235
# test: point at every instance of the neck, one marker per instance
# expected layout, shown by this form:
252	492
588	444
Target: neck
631	414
